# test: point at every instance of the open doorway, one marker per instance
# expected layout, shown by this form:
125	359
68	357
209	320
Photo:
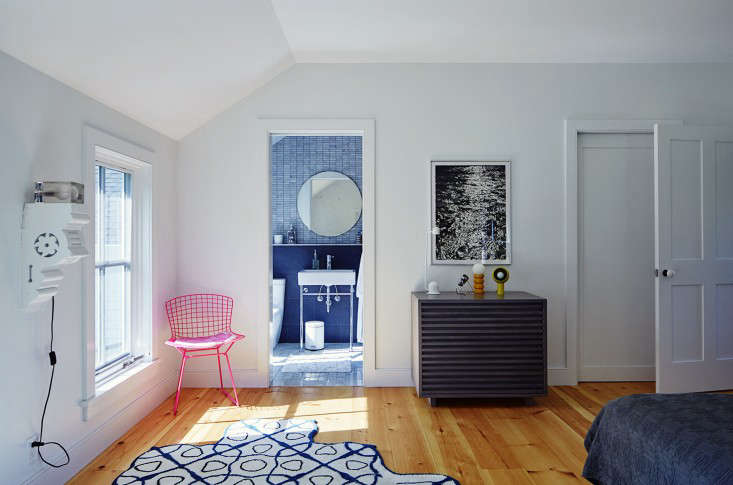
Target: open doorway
616	256
316	330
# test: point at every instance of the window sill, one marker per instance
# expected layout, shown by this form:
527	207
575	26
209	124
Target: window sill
121	390
122	376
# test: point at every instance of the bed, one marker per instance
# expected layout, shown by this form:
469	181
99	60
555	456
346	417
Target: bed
662	438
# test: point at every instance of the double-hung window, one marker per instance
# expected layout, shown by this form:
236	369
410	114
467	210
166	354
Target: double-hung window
112	283
120	339
118	356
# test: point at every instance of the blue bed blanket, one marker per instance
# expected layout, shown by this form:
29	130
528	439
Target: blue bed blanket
662	439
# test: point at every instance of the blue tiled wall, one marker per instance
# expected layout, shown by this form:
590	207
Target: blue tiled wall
294	160
286	262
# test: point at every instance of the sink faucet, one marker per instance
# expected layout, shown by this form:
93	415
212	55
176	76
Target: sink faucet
329	260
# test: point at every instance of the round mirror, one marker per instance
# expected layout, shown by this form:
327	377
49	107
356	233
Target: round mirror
329	203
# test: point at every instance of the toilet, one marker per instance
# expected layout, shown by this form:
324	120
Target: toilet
278	307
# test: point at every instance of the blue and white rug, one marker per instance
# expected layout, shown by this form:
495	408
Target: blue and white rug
269	452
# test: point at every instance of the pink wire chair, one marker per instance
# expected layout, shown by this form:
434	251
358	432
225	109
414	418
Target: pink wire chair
202	323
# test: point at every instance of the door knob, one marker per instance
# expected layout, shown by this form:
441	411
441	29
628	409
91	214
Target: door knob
668	273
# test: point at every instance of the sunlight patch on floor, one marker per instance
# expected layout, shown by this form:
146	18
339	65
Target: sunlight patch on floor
212	431
322	406
219	413
341	422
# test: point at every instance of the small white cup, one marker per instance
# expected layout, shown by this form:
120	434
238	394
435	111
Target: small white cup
277	238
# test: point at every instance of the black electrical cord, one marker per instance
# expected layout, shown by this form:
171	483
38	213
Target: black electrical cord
39	444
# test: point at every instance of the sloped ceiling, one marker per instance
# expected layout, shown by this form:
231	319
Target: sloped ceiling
175	64
169	64
508	30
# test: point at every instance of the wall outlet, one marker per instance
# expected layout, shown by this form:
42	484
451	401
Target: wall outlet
32	452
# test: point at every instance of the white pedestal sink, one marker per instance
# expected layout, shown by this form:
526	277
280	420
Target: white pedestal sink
327	278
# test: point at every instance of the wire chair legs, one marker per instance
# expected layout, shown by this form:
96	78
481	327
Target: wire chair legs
180	381
188	354
234	401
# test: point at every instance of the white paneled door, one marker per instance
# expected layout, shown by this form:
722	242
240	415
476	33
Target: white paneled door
694	254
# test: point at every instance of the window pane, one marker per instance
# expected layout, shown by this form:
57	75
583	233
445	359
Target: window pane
112	278
115	215
114	316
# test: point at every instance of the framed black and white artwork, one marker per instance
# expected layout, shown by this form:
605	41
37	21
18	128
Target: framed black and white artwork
471	207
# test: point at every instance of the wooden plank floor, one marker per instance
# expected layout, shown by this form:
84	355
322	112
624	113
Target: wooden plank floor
477	442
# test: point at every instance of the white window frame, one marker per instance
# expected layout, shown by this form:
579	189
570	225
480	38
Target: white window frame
105	149
138	347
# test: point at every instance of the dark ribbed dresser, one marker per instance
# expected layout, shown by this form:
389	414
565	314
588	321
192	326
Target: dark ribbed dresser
479	346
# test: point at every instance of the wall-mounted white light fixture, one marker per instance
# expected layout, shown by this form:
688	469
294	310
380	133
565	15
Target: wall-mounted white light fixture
51	236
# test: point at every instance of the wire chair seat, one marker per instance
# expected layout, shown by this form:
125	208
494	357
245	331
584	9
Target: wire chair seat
201	343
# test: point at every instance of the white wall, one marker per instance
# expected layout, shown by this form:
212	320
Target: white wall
422	112
41	124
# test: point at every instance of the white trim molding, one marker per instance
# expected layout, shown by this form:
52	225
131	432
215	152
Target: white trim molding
210	378
390	378
140	161
561	376
326	126
568	375
106	398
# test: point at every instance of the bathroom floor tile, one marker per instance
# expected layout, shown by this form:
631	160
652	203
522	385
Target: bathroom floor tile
291	352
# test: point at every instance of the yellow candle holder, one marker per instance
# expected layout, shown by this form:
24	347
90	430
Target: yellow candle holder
478	283
478	278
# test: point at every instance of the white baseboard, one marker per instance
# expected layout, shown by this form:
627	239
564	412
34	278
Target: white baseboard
210	378
389	378
611	373
85	450
561	376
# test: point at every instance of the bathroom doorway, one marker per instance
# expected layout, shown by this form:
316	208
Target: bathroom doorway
316	330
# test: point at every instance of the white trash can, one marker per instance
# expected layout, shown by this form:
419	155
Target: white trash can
314	335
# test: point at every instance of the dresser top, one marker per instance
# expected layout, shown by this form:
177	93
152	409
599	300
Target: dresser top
487	296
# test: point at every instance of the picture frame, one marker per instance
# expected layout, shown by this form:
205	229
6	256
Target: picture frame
471	205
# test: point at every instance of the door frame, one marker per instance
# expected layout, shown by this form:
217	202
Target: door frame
568	375
327	126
